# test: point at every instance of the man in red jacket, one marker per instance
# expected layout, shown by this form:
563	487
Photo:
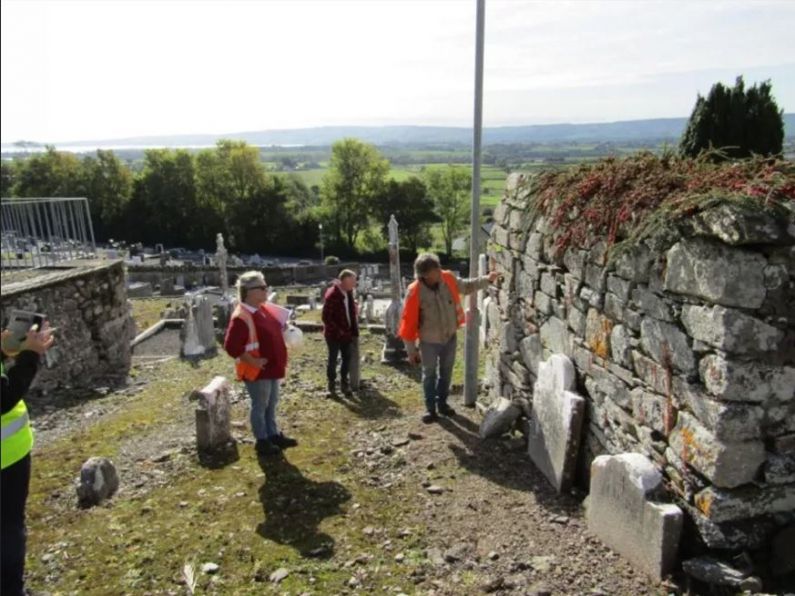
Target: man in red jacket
254	339
340	328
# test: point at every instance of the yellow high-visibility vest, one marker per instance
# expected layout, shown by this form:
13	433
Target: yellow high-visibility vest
17	436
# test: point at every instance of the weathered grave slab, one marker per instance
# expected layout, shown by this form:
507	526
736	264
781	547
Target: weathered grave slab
556	425
499	418
213	428
204	325
622	513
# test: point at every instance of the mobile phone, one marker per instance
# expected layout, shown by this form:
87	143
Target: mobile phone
19	323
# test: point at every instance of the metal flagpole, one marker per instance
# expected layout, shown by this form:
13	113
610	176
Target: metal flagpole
471	343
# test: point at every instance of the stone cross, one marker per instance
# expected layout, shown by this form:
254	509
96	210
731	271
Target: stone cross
394	351
221	256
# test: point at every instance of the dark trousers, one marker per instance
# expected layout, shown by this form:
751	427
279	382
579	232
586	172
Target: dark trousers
15	481
343	349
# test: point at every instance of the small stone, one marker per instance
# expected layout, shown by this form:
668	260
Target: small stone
98	481
435	489
210	568
560	519
368	531
279	575
400	557
499	418
718	573
435	556
493	555
401	442
542	564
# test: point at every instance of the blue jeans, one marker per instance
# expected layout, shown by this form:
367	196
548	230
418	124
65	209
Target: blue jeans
437	371
264	398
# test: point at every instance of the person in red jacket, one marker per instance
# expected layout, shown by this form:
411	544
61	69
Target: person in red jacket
254	339
340	328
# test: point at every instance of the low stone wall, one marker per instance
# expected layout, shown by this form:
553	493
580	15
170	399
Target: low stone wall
684	347
88	306
190	276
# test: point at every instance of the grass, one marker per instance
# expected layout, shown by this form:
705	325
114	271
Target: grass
146	311
248	519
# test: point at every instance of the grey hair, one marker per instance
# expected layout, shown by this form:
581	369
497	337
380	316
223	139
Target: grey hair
425	263
246	280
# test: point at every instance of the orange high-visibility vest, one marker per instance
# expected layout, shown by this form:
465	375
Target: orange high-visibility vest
410	319
245	371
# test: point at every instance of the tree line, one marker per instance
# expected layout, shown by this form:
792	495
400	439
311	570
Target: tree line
183	198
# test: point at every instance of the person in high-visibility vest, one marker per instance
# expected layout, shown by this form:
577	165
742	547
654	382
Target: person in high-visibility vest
17	442
432	314
254	339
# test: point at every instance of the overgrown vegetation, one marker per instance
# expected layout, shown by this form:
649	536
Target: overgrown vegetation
627	198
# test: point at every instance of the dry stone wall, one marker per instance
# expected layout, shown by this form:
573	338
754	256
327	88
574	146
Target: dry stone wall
88	306
684	347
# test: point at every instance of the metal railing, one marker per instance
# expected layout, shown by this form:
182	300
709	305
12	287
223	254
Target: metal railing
39	232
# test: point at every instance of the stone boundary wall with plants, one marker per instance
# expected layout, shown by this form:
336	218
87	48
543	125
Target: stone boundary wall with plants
88	306
683	339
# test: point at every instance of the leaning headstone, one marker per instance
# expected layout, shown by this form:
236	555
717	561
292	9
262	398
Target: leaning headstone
622	512
213	428
499	418
556	426
369	310
204	325
98	481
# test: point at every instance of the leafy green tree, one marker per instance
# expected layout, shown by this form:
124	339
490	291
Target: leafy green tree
356	175
163	207
8	177
736	121
449	188
50	174
107	183
408	200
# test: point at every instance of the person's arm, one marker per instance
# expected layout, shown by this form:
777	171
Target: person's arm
467	286
236	338
17	379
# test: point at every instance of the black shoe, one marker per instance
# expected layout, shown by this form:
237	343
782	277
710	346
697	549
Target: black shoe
346	388
283	442
332	388
265	447
430	417
446	410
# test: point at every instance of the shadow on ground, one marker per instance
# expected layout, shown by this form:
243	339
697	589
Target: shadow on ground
369	403
295	506
498	460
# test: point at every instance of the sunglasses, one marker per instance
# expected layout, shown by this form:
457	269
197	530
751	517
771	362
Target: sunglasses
258	288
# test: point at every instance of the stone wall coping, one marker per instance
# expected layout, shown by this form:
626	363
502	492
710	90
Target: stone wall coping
57	277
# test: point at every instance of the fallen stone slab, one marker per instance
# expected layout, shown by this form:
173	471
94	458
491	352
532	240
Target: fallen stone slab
556	425
718	573
622	512
499	418
98	481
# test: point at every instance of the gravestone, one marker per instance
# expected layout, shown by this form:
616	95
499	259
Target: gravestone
204	325
369	311
394	350
221	256
191	344
213	427
499	418
166	285
622	512
355	367
557	420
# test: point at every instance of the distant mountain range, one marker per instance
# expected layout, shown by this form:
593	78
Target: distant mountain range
630	131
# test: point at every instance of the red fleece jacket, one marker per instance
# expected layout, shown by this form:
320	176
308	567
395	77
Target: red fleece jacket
271	343
335	323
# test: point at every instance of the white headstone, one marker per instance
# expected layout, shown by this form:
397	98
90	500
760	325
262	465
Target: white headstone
557	420
622	512
204	324
213	429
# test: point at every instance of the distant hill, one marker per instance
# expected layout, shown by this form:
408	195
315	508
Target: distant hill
630	131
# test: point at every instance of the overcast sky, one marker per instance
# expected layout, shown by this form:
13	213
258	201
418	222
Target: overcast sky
109	69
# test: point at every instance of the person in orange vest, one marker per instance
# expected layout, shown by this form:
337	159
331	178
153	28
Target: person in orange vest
432	314
17	443
255	340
